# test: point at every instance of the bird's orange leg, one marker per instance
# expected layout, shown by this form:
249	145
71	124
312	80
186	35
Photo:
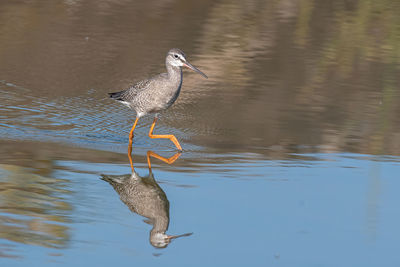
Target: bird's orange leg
130	142
169	160
169	136
130	160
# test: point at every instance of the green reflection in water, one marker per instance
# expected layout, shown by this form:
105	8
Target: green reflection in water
32	208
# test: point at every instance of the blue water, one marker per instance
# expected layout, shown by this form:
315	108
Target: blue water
333	210
290	147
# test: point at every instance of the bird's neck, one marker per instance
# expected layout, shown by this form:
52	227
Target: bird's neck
174	72
161	222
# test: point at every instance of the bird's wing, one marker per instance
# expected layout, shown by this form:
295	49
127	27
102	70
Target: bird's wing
143	85
132	91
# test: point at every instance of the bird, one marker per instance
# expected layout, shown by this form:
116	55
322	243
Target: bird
145	197
157	93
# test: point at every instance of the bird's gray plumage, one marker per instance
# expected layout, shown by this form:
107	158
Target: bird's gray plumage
158	93
144	197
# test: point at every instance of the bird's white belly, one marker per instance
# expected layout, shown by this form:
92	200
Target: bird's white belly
126	104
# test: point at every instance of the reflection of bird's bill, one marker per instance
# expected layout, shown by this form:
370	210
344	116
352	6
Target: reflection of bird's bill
170	237
190	66
161	240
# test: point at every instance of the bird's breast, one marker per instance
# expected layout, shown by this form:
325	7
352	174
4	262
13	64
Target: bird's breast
174	95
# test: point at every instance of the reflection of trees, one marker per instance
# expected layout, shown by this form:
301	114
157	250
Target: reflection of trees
35	207
282	72
306	72
360	48
32	211
74	44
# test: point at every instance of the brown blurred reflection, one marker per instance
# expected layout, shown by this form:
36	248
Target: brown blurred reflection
285	76
32	208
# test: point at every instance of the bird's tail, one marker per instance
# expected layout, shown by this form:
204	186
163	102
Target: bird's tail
116	95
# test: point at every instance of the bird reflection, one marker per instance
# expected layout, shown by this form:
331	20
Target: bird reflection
145	197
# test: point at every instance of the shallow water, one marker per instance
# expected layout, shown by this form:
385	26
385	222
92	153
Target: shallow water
291	147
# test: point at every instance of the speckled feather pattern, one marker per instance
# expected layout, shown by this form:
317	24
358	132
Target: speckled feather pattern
143	196
155	94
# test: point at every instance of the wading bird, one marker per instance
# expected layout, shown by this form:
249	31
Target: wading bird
156	94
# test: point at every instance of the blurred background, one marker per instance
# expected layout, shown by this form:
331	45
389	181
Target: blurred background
293	140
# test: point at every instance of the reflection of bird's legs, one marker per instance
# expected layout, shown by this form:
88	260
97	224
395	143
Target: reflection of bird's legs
169	136
130	160
130	142
169	160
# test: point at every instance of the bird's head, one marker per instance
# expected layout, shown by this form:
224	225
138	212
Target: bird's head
177	58
161	240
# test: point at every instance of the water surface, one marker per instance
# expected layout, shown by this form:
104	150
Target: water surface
291	147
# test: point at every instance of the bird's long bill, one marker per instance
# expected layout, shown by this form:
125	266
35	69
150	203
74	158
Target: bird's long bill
190	66
177	236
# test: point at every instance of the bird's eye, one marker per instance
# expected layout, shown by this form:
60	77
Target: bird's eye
175	56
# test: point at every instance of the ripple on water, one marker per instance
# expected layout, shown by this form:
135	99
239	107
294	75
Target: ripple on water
82	120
